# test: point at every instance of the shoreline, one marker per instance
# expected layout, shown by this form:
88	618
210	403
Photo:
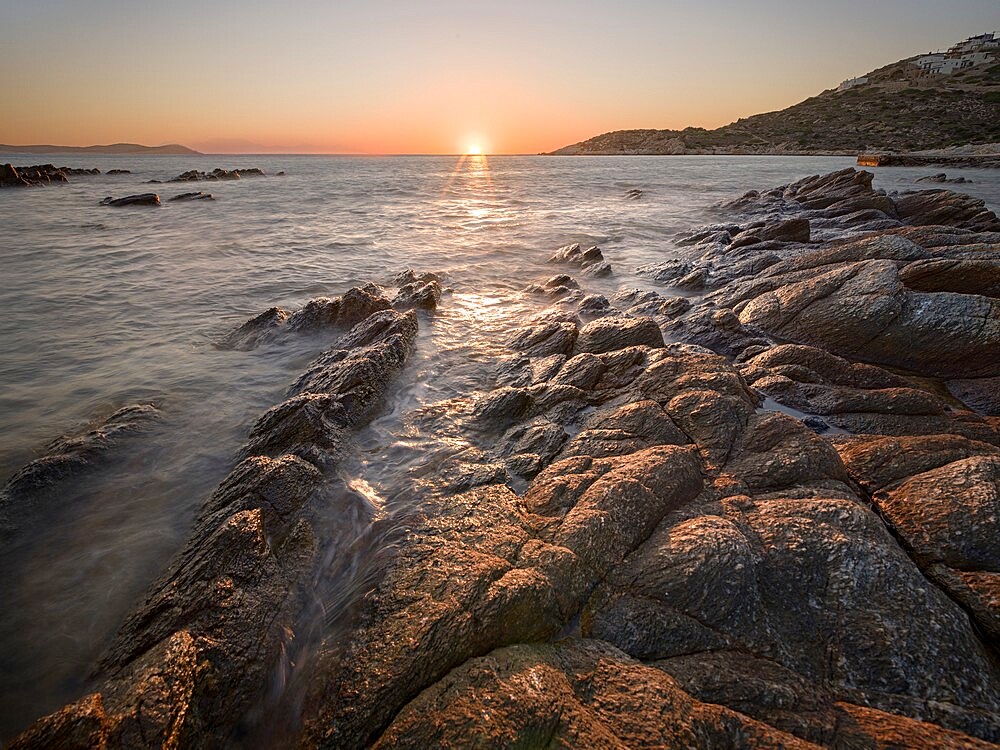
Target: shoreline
677	492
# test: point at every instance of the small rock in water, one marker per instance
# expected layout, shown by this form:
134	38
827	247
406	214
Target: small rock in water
591	259
119	171
196	196
143	199
634	194
942	177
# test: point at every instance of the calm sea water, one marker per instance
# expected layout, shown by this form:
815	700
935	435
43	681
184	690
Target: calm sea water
102	307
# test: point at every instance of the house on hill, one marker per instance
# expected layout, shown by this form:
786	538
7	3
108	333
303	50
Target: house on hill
975	50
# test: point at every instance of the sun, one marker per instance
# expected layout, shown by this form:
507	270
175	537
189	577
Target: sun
474	150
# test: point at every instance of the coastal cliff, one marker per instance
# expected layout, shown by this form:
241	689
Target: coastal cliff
897	109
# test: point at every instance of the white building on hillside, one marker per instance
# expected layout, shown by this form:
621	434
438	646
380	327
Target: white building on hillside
974	43
850	83
975	50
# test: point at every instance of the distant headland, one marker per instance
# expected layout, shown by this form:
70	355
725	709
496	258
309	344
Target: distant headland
931	101
113	148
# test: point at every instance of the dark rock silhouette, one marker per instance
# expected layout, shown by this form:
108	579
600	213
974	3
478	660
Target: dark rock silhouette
143	199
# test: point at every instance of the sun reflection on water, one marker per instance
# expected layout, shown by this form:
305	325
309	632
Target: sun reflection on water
469	190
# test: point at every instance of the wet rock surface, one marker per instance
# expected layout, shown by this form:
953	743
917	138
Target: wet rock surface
317	315
590	260
763	516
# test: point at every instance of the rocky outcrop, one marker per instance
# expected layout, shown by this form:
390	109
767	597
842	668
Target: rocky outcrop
591	260
417	291
66	458
143	199
906	281
322	313
197	653
194	175
10	177
697	539
40	174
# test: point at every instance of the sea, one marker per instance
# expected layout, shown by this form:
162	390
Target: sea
103	307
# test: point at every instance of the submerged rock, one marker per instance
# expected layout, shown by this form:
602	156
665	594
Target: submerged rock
144	199
197	196
118	171
69	457
942	177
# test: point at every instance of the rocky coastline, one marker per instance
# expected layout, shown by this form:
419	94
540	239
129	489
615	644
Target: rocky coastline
45	174
755	507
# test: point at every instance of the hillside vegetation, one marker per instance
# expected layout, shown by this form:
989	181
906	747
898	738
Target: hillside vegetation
896	110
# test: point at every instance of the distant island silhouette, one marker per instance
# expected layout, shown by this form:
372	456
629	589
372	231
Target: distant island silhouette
113	148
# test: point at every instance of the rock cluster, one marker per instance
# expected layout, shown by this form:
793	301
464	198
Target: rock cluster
194	175
41	174
591	260
416	292
645	540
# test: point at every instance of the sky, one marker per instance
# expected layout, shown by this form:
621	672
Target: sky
434	76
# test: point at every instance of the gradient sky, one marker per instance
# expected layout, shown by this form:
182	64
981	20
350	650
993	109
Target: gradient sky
386	76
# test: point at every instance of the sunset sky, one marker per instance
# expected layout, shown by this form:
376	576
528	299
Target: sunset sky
434	77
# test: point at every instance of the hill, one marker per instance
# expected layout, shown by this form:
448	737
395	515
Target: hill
114	148
897	110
